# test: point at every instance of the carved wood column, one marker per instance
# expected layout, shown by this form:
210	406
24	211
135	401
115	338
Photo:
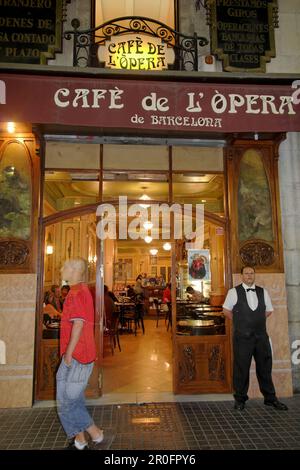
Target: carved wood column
254	209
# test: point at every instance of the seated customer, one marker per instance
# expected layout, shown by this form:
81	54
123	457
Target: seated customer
54	298
166	297
138	289
63	293
195	295
130	291
51	311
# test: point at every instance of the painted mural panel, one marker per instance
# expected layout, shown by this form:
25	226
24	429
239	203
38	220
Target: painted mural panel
15	192
254	201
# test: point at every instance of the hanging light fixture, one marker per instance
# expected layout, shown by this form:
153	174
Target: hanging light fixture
147	225
167	246
11	127
153	251
148	239
145	197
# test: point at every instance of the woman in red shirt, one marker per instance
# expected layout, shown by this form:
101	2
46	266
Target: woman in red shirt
166	297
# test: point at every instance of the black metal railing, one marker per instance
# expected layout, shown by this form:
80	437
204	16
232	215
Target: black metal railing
87	42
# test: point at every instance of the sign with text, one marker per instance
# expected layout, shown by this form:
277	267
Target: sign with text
136	52
242	33
30	30
189	107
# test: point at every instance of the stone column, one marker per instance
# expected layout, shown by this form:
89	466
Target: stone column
289	180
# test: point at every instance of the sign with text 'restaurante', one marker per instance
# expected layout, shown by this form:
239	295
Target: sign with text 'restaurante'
242	33
150	105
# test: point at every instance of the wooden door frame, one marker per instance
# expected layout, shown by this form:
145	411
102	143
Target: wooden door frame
45	222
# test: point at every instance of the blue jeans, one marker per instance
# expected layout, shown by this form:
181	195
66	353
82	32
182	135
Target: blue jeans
71	382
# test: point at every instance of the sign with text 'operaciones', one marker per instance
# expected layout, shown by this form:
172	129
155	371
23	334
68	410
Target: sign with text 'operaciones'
30	30
242	33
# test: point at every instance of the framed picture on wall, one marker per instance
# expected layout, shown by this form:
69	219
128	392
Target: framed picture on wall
199	265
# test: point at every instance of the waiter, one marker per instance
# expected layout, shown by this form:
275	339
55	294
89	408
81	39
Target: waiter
248	306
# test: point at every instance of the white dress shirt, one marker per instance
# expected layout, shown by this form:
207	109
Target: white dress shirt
231	299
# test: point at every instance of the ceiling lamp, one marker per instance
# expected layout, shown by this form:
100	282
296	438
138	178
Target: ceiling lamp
148	239
153	251
167	246
144	197
147	225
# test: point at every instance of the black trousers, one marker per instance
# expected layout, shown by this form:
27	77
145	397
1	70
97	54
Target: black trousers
244	348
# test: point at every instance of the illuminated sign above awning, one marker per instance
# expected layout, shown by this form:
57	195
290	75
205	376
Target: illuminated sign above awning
136	52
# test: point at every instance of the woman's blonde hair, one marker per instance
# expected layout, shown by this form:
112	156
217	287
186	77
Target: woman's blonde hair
79	265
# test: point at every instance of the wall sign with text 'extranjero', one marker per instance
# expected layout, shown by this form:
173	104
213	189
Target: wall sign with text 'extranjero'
30	30
242	33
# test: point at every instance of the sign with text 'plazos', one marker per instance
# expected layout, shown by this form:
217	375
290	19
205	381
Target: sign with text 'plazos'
30	30
190	107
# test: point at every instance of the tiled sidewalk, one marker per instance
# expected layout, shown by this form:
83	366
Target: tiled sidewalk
156	426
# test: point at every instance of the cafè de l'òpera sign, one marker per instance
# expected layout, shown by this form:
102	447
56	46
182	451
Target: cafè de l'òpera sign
136	52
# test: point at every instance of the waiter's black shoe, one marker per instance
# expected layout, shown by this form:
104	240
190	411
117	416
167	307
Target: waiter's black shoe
239	405
276	404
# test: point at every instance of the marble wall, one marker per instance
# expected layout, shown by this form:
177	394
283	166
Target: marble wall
17	331
80	10
287	39
287	36
277	326
289	180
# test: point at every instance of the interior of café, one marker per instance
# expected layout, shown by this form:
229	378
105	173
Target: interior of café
162	290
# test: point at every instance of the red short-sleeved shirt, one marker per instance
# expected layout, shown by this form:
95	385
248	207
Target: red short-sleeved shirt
79	305
166	295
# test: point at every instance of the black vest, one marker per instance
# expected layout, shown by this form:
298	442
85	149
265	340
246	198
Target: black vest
247	322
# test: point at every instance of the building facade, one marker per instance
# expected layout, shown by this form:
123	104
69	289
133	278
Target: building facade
74	113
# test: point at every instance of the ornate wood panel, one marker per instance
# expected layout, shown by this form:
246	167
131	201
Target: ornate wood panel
202	364
47	366
261	246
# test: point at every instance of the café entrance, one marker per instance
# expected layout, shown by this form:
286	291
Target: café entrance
79	177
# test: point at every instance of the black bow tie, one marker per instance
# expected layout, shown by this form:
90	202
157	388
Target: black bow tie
253	290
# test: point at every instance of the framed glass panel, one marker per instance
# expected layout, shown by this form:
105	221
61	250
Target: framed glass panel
207	159
64	190
254	200
16	192
136	157
135	186
193	188
200	287
72	155
70	238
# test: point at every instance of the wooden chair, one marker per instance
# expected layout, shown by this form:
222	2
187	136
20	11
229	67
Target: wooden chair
112	331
